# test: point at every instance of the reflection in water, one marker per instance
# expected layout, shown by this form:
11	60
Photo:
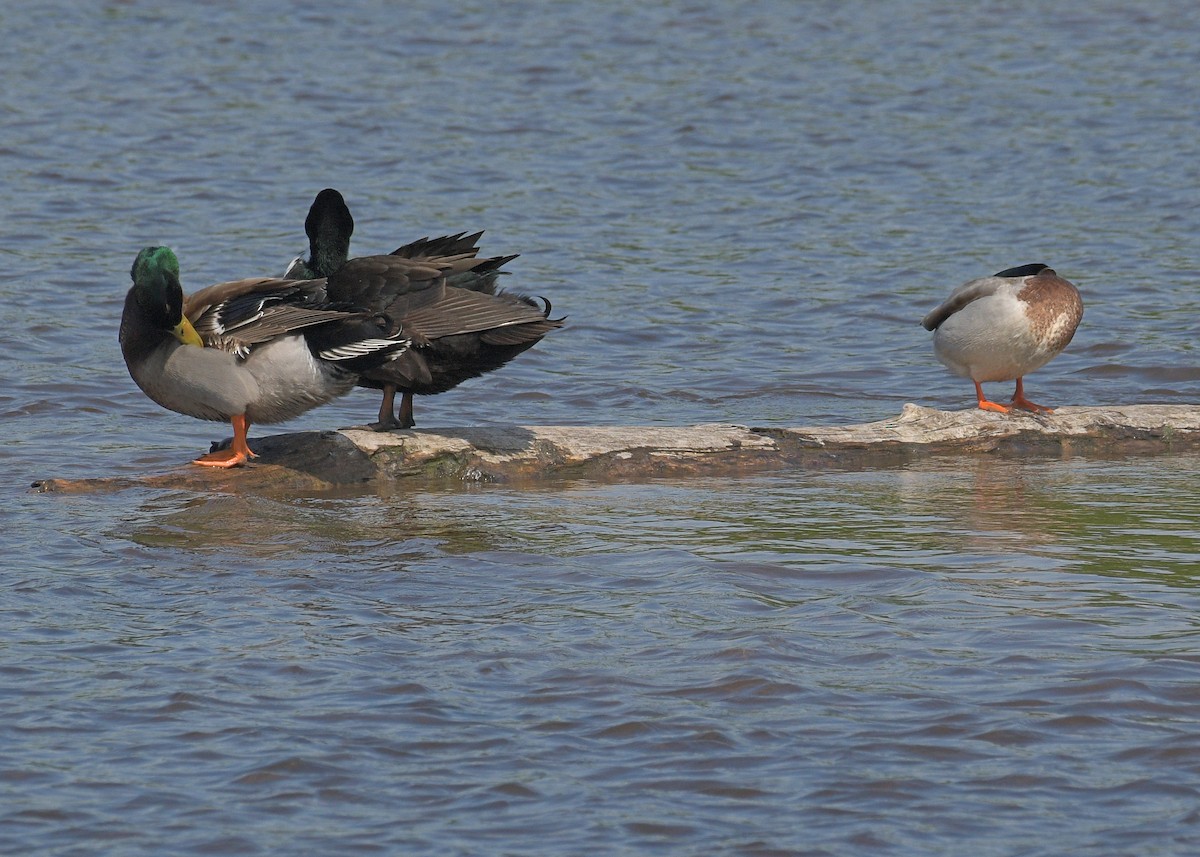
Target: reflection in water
900	648
993	505
1074	514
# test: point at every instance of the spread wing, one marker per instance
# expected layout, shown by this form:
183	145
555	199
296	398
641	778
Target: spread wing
502	319
238	315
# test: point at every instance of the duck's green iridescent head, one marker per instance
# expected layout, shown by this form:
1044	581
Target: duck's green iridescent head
156	288
154	263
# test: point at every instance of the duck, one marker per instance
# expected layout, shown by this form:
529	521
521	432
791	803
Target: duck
329	226
1002	327
461	328
257	350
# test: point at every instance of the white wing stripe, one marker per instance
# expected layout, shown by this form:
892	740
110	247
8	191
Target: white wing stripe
360	349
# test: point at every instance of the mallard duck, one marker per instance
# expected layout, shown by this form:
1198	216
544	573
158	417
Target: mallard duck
1002	327
329	226
461	328
250	351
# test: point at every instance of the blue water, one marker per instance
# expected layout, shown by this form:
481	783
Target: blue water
744	210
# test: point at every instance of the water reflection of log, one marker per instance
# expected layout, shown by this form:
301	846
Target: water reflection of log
515	453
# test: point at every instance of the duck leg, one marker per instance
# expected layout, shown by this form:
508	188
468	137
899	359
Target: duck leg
1019	401
387	419
406	414
238	451
987	405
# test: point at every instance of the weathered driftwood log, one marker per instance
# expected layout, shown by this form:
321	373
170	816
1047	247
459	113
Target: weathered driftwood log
506	453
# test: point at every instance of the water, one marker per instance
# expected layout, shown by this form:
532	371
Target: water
744	212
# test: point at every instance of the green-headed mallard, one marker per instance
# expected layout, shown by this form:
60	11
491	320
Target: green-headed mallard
259	350
461	328
1002	327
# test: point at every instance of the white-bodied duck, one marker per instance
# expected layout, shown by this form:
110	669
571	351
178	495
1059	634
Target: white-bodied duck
259	350
1003	327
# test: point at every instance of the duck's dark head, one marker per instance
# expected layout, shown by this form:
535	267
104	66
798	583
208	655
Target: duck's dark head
329	227
156	297
1024	271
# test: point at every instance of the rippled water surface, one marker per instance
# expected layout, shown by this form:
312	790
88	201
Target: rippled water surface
744	210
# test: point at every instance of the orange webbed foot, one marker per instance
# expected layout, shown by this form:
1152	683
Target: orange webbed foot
222	458
1019	401
987	405
237	453
1026	405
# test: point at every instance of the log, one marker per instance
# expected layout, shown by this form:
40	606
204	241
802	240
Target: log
356	456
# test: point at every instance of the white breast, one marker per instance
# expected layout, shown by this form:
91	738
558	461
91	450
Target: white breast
990	339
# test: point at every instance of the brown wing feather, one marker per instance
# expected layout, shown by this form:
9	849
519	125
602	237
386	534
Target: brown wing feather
519	334
376	281
959	298
281	320
199	302
462	311
204	310
409	369
460	244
